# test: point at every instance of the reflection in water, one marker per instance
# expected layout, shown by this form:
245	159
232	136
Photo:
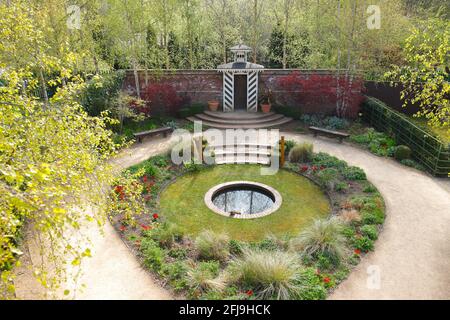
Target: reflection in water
243	200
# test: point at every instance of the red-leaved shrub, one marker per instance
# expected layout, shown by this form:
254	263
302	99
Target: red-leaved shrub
161	98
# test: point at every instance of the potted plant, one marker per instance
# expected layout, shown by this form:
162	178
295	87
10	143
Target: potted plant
213	105
266	101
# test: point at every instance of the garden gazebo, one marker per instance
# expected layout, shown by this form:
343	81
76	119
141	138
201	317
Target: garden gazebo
240	81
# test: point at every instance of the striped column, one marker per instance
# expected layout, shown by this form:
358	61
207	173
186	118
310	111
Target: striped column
252	91
228	91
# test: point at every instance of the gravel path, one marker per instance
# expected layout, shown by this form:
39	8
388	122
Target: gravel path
412	253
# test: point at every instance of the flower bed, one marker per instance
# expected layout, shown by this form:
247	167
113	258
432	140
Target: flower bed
212	265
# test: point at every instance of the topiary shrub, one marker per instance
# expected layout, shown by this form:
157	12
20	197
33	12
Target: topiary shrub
212	246
323	237
272	274
301	153
402	152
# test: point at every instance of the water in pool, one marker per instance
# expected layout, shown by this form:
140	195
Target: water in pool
243	200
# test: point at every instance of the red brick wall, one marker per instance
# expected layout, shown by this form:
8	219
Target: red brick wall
203	85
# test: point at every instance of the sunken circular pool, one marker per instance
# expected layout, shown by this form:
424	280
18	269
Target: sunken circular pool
243	199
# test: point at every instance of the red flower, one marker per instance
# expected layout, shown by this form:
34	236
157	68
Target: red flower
314	168
249	293
326	280
322	167
357	252
122	228
145	178
118	189
145	227
155	216
304	168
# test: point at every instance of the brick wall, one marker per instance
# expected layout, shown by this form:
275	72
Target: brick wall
203	85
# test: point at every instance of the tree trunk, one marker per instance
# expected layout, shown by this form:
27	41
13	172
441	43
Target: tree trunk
338	67
136	79
43	87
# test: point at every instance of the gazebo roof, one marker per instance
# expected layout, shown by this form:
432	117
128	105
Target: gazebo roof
236	66
241	47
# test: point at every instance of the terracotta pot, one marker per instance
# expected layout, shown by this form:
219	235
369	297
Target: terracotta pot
213	105
265	107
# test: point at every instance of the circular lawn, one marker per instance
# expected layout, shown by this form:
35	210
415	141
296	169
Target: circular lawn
182	203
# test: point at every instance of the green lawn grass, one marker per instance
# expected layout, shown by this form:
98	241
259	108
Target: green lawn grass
182	203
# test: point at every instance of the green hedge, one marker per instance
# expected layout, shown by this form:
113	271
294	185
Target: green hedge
426	149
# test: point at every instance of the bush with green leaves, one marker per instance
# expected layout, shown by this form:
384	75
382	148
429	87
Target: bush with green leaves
402	152
369	188
288	145
175	273
364	244
166	234
212	246
328	178
341	187
271	274
323	237
335	123
353	173
372	216
378	143
235	246
152	254
312	286
322	159
370	231
301	153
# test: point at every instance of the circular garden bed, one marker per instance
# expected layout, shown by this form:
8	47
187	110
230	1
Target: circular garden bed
329	218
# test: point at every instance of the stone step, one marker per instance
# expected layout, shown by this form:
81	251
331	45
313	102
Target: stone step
237	115
221	152
241	121
263	125
242	160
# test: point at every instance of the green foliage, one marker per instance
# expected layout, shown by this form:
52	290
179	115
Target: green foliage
323	237
364	244
152	253
328	178
369	188
202	277
212	246
322	159
235	247
370	231
292	112
354	173
301	153
191	110
424	78
101	91
402	153
272	274
373	216
165	234
288	145
341	187
378	143
312	286
176	273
